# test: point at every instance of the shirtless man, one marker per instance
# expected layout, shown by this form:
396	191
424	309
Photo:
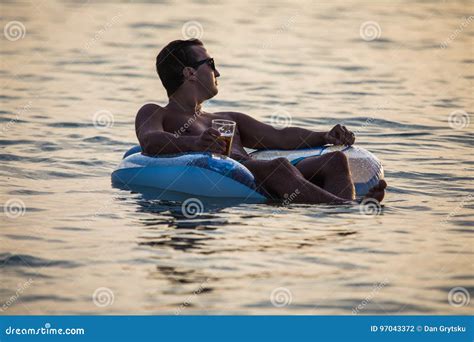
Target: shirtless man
190	77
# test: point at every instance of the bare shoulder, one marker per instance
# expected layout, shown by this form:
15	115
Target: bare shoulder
150	109
150	113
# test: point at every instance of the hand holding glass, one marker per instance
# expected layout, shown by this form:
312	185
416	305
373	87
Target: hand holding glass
226	129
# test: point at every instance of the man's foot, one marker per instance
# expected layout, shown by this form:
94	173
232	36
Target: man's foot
378	191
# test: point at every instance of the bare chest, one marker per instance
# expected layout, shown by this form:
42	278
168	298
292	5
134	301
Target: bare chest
183	126
190	125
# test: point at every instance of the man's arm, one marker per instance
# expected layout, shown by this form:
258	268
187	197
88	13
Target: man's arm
258	135
151	135
154	140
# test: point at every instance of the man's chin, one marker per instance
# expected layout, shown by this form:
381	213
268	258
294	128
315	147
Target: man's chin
212	92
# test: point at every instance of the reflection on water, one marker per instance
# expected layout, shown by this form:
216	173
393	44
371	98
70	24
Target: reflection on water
398	74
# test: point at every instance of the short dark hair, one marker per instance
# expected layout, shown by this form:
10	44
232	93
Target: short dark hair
171	61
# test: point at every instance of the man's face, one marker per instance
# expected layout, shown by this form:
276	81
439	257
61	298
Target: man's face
206	77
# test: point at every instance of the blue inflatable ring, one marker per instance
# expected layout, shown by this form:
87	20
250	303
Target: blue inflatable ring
202	174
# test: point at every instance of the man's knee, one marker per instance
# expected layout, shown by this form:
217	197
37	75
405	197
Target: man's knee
338	160
281	164
277	168
273	168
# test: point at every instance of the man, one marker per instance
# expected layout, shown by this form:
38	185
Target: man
190	77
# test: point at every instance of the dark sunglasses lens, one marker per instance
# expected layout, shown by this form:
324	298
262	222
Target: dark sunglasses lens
212	65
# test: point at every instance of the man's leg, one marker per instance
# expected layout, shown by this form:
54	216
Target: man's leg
331	172
280	178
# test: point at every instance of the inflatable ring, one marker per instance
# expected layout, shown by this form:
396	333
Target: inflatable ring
203	174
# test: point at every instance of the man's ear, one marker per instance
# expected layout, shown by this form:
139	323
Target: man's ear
189	73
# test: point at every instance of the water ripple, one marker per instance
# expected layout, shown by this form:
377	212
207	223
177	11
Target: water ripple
24	260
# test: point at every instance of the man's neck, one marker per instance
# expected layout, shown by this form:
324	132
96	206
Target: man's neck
184	104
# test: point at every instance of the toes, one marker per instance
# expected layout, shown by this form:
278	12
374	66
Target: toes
371	192
378	191
380	186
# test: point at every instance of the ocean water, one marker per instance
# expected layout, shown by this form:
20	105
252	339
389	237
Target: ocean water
399	74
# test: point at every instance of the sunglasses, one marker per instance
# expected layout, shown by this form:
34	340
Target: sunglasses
208	61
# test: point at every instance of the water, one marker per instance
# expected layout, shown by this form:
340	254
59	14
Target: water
75	234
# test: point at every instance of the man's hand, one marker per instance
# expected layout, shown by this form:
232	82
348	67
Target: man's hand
208	142
339	135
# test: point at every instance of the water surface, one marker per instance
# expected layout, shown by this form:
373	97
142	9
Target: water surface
75	234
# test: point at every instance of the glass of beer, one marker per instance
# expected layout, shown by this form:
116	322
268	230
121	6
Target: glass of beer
226	128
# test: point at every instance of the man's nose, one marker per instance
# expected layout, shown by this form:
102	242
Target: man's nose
216	73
